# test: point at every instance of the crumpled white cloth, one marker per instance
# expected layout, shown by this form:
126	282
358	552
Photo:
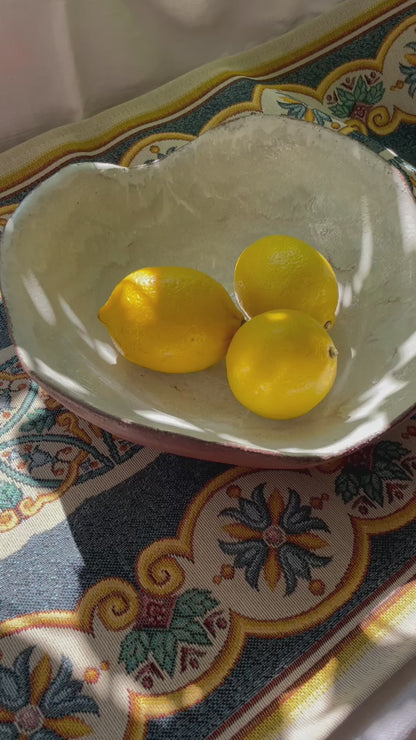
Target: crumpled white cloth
64	60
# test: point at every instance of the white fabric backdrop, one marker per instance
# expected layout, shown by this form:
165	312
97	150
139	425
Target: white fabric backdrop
64	60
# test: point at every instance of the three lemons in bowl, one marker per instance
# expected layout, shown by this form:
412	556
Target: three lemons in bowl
280	359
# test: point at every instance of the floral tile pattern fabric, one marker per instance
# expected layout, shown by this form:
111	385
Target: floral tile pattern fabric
145	595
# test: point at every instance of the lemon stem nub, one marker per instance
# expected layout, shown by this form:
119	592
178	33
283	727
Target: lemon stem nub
333	352
327	325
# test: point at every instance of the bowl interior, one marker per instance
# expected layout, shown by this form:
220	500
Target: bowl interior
85	228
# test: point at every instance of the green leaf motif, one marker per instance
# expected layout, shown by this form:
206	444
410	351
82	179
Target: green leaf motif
340	111
390	471
388	450
190	632
10	496
347	485
163	645
195	603
39	421
375	93
360	90
346	97
372	486
134	649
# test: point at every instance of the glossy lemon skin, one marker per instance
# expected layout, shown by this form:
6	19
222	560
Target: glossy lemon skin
280	271
171	319
281	364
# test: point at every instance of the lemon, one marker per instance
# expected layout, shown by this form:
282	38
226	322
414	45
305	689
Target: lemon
283	272
281	364
172	319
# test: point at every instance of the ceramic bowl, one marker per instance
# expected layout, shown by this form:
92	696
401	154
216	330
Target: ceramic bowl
80	232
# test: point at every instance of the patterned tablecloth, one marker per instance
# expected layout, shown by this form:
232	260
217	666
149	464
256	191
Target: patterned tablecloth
148	595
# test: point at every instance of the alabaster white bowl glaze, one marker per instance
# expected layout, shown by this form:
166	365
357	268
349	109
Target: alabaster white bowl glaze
80	232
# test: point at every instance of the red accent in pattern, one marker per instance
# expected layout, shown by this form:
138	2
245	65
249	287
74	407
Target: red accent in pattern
189	658
156	613
145	675
215	621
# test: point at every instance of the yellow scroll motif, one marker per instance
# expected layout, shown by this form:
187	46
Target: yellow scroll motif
117	603
379	120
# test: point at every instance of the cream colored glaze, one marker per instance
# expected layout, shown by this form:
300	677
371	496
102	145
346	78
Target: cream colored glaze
86	227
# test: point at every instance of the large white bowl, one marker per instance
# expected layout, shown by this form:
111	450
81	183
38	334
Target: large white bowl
77	234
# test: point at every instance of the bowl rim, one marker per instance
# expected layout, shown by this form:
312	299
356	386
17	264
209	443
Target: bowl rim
184	444
187	446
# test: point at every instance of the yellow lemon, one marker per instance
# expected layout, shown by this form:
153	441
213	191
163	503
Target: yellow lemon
283	272
281	364
172	319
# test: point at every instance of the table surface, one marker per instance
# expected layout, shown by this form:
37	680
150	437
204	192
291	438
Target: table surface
138	596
